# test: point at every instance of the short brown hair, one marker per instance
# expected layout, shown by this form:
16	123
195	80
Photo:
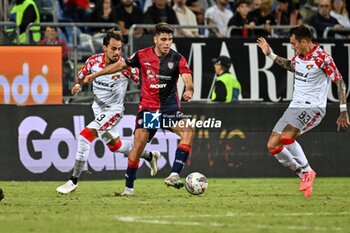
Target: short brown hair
111	33
163	28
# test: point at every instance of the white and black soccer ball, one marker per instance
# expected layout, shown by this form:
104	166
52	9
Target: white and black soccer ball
196	183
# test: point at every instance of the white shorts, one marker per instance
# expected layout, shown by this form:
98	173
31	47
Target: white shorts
106	120
302	118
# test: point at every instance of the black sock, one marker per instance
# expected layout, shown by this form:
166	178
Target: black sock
148	156
180	160
74	179
130	177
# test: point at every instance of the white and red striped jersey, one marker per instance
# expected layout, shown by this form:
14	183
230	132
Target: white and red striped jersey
312	78
109	90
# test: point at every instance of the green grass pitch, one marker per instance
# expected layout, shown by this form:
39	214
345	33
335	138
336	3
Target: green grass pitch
229	205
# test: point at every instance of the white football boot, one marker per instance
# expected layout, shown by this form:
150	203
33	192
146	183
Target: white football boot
174	181
127	192
153	163
68	187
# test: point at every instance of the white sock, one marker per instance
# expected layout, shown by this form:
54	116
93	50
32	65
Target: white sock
287	160
78	168
299	155
125	147
83	149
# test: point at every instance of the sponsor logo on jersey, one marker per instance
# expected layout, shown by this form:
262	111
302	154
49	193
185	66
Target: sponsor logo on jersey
164	77
301	74
147	63
158	86
104	84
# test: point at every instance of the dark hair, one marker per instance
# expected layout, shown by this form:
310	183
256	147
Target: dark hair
111	33
53	27
240	2
301	32
163	28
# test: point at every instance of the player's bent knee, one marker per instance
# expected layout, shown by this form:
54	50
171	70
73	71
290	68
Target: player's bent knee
87	134
133	163
276	150
114	147
271	146
287	140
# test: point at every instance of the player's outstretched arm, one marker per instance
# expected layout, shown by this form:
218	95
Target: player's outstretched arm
265	48
343	119
187	78
112	68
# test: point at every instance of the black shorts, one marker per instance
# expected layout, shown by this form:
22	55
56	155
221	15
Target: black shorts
164	121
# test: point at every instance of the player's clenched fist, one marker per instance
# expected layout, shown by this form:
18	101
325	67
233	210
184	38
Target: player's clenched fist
76	88
188	95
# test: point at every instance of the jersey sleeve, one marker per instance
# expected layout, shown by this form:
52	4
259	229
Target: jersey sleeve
183	67
292	62
330	68
132	73
133	60
326	63
86	70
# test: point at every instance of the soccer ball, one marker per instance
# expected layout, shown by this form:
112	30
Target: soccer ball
196	183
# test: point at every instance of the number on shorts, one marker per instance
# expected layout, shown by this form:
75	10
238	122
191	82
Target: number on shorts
304	117
100	117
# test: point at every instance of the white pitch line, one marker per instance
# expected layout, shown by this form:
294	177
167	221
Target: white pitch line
131	219
233	214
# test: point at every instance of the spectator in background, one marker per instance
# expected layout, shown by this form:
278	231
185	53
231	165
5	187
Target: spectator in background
322	19
115	3
198	7
218	15
103	12
227	88
78	10
339	12
160	12
240	19
51	38
23	13
255	4
185	17
128	14
262	17
287	14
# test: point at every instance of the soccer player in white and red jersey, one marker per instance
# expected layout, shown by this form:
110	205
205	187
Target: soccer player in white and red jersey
108	106
160	67
313	71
